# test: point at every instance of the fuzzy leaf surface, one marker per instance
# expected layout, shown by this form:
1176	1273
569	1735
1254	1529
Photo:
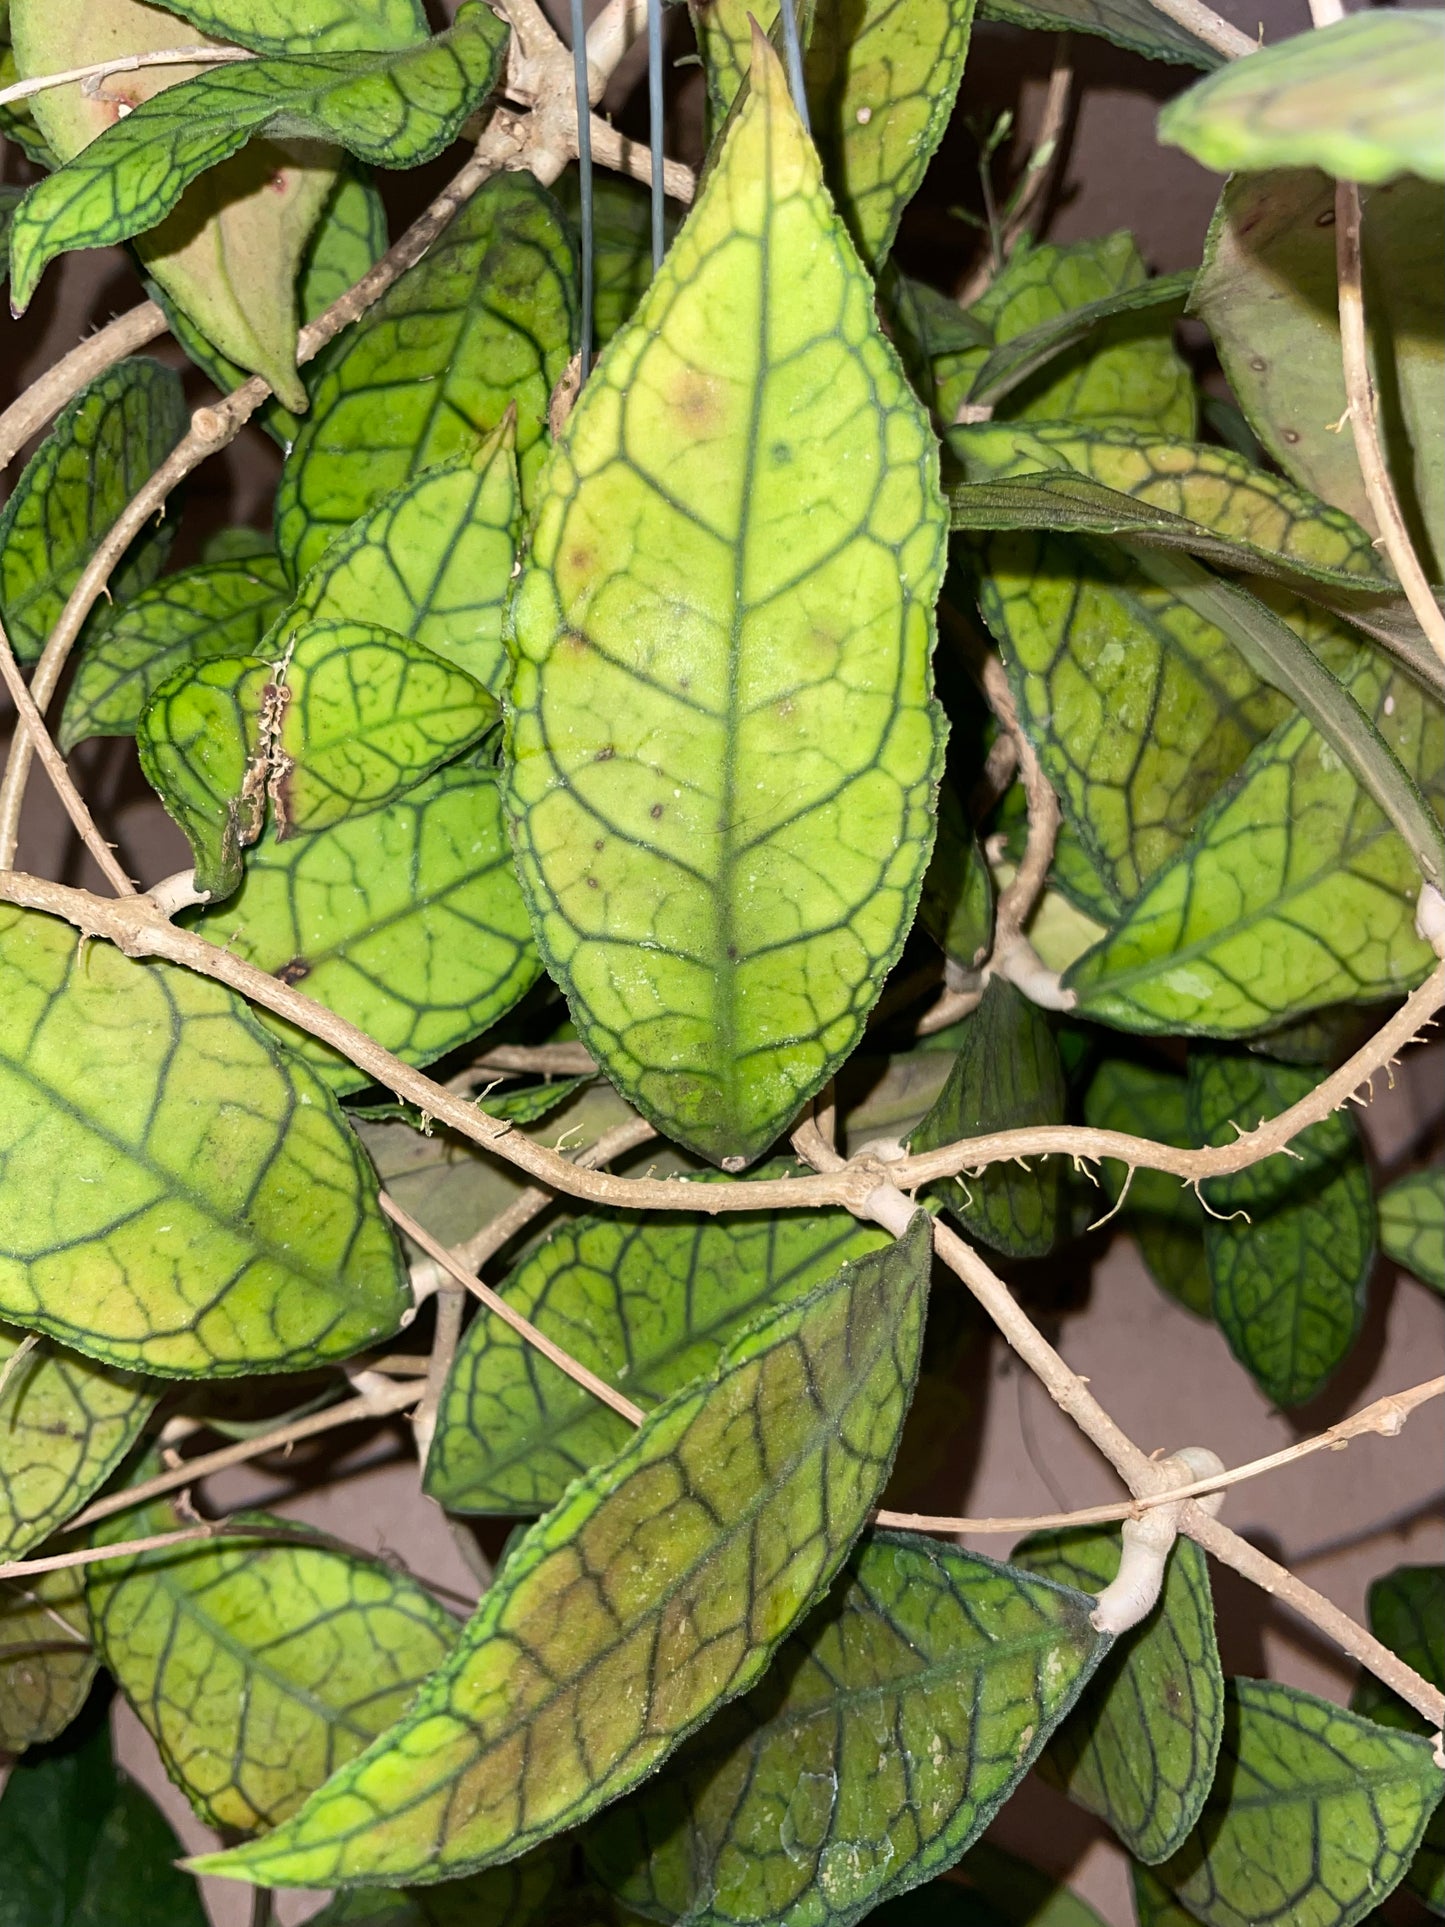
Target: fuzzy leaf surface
215	609
104	445
394	109
894	1723
1412	1225
486	318
1312	1819
644	1301
65	1424
407	921
658	1589
307	26
176	1195
46	1660
1362	98
1162	1213
259	1667
1142	1745
1007	1075
1407	1612
432	562
721	738
1289	1279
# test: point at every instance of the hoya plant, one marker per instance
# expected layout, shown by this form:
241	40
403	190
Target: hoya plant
758	782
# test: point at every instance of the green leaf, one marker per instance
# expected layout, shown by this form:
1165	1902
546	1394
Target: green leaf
895	1722
1012	364
1412	1225
1007	1075
1135	24
1123	371
1290	1241
46	1662
306	26
1292	894
216	609
658	1588
259	1667
10	199
1021	1893
106	442
956	907
1162	1213
621	244
82	1846
1141	1746
721	754
348	720
486	318
432	561
239	544
177	1194
539	1890
65	1424
529	1103
1363	98
1407	1612
407	921
17	124
395	109
647	1303
1267	293
1313	1816
1154	1905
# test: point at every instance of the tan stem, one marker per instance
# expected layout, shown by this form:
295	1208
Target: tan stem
1207	27
124	64
542	1060
45	398
450	1305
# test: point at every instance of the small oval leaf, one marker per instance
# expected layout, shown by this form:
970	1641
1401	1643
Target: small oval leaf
1412	1225
1161	1211
46	1660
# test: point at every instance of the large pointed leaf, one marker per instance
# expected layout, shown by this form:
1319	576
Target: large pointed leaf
432	561
395	109
1268	294
1412	1225
1164	1214
104	445
1312	1819
1007	1075
258	1667
1407	1612
656	1590
1363	98
1292	894
1135	24
1289	1241
216	609
407	921
82	1846
306	26
65	1424
46	1660
722	744
894	1723
175	1194
348	718
486	317
1140	1748
646	1302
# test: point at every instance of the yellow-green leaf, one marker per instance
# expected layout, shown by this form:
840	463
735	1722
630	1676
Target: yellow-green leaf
306	26
258	1667
177	1195
895	1722
722	744
46	1660
646	1302
485	319
1412	1225
658	1589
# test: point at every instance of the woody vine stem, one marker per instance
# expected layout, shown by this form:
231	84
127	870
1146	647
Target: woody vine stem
537	128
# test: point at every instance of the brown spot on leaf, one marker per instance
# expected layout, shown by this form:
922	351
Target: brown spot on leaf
695	403
655	812
294	972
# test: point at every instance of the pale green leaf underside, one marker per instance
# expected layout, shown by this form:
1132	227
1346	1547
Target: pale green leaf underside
432	562
65	1424
656	1590
216	609
894	1723
1412	1225
1160	1211
1312	1818
406	921
1363	98
721	742
486	318
1141	1746
104	445
176	1196
1292	894
306	26
1135	24
258	1667
395	109
46	1661
646	1303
